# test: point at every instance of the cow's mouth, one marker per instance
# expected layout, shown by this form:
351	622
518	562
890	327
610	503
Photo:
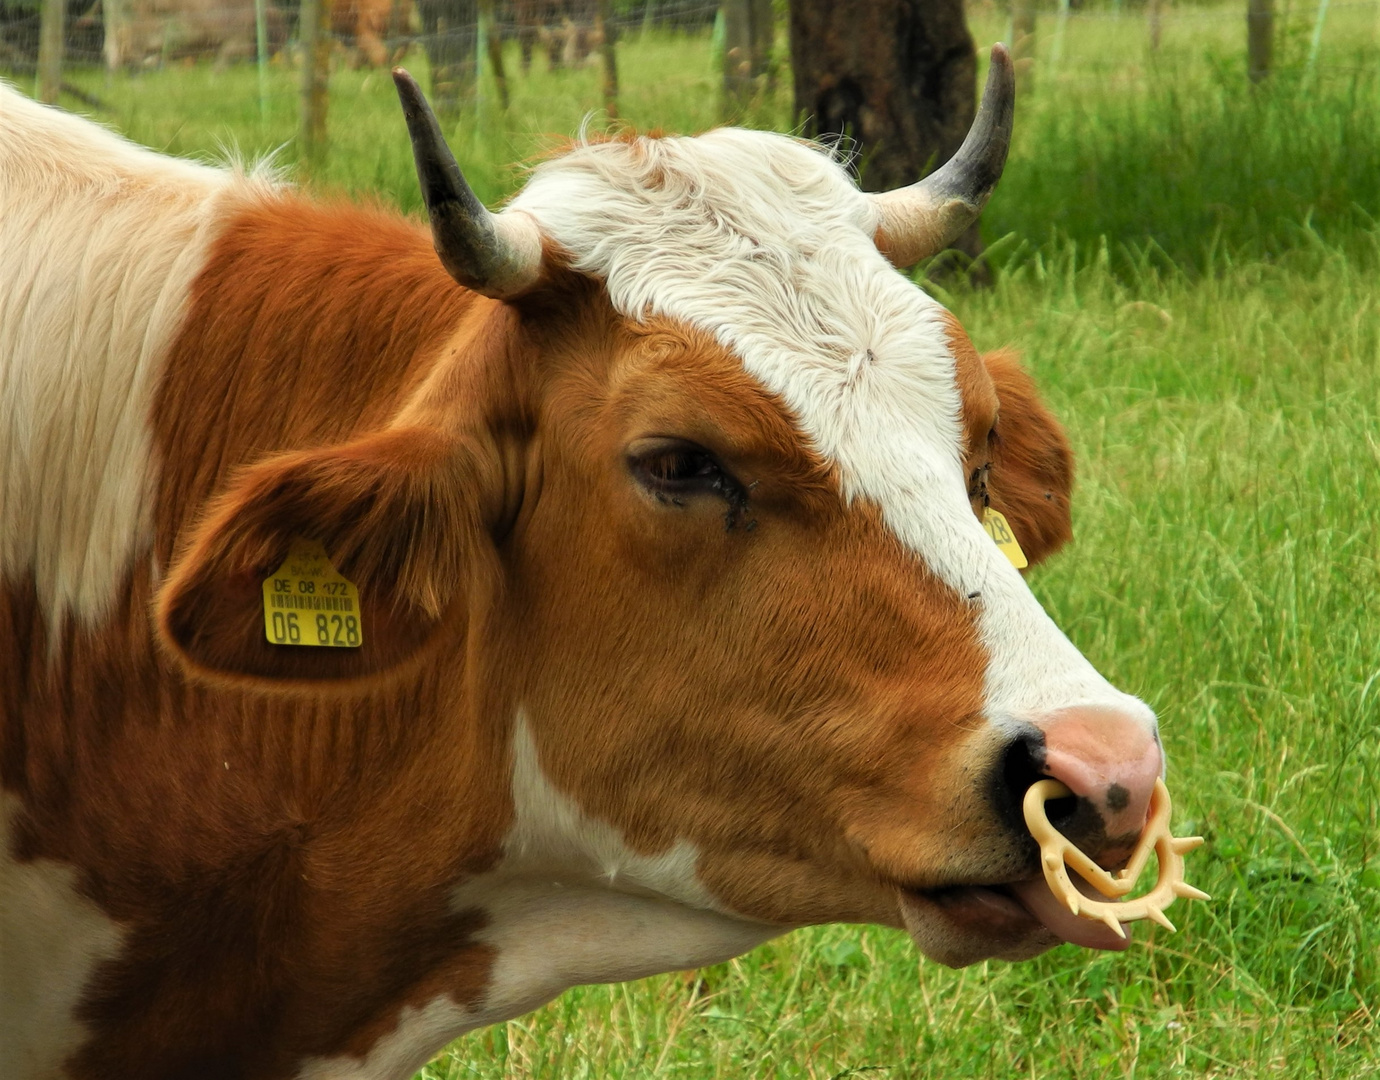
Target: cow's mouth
1016	911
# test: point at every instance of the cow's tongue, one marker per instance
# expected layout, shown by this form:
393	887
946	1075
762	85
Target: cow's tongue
1056	916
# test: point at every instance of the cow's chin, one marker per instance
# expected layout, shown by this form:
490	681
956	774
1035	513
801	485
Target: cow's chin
963	924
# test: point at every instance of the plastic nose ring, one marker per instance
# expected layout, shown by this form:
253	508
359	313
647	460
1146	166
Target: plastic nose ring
1057	854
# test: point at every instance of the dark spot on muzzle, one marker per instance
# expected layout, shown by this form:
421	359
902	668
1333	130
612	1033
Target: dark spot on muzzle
1118	798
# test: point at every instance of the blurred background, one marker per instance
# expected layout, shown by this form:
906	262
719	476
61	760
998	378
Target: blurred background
1178	129
1185	250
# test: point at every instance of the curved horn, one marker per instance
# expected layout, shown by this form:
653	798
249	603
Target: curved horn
926	217
498	255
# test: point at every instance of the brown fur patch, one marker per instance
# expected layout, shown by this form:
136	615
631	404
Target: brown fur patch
1031	481
1007	429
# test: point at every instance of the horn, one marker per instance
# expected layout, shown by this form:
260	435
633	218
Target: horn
498	255
920	220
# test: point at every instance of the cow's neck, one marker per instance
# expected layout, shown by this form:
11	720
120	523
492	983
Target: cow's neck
270	825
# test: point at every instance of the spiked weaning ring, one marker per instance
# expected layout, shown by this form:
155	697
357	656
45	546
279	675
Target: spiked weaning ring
1057	854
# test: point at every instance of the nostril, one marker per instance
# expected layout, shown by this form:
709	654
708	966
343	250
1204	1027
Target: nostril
1021	764
1061	809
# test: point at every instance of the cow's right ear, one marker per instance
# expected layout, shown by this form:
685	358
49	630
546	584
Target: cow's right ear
399	515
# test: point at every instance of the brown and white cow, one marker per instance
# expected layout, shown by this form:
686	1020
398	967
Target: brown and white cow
680	626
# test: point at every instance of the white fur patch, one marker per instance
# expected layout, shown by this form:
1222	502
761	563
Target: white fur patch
51	940
766	243
99	242
571	904
419	1035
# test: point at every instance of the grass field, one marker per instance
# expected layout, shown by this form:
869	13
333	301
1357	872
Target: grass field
1193	271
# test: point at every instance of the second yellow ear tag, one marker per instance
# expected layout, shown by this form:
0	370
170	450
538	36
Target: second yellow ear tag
1000	532
308	602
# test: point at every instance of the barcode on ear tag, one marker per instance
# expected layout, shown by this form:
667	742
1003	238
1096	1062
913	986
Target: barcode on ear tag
1000	531
307	601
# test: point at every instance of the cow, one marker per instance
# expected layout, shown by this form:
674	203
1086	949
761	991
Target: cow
567	29
145	33
677	626
365	27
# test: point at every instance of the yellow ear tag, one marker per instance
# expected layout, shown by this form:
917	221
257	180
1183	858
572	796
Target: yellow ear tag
1000	532
308	602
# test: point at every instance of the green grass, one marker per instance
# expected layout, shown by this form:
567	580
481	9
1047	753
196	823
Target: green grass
1193	271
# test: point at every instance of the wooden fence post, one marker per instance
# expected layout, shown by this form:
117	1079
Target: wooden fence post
493	47
763	38
115	17
261	52
608	34
1023	41
314	32
1061	24
1260	38
50	40
737	57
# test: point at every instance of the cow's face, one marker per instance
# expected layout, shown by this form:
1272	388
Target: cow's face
699	515
717	646
823	674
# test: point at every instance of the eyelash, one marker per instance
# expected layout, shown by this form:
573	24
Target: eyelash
672	470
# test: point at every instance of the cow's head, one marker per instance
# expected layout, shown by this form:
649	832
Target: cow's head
693	512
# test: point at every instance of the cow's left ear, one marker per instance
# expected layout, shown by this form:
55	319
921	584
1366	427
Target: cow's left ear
399	515
1031	480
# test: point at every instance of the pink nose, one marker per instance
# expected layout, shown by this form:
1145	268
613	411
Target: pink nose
1109	758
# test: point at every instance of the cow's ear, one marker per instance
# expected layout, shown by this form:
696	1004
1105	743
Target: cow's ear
399	516
1031	480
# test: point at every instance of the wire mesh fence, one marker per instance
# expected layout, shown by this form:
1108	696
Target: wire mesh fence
135	34
188	74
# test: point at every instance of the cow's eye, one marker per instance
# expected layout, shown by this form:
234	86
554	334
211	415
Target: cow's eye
676	467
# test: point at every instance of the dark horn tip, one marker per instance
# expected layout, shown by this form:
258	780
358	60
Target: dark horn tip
973	172
1001	79
409	93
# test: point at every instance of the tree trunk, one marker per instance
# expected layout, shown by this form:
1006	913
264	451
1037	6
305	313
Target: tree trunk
897	76
1260	37
451	32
